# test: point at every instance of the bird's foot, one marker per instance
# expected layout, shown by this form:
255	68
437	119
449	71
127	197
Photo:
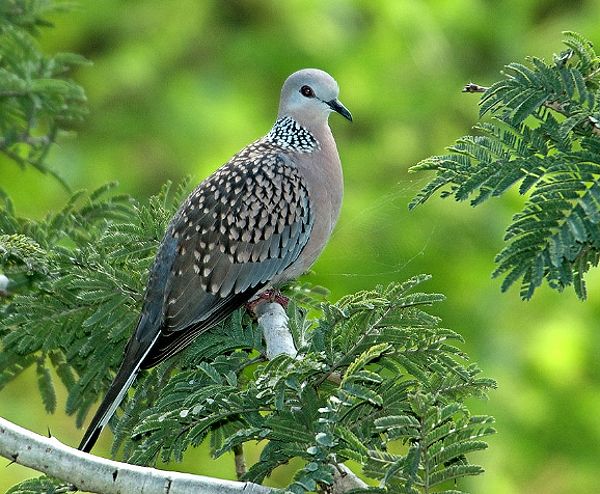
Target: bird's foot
268	296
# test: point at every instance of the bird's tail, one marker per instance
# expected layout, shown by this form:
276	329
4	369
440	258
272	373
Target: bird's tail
112	400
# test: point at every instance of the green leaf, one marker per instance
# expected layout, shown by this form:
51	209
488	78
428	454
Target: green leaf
40	485
46	386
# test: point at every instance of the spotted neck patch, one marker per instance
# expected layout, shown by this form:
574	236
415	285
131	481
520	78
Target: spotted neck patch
289	134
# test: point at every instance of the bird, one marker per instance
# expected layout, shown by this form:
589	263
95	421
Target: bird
258	221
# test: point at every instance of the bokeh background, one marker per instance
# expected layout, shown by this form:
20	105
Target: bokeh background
177	87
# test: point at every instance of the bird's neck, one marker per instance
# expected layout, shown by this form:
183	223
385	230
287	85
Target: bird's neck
288	134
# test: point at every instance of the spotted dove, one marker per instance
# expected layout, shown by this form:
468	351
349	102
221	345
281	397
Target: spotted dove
261	219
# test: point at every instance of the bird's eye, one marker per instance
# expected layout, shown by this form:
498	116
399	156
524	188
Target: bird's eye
307	91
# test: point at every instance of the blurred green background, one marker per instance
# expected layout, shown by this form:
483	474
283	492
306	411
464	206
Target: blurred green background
178	87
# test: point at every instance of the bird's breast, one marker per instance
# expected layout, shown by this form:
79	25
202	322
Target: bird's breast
324	181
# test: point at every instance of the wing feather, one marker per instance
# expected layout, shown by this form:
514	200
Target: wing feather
240	229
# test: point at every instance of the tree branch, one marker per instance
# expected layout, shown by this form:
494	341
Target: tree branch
93	474
274	321
278	338
26	138
471	87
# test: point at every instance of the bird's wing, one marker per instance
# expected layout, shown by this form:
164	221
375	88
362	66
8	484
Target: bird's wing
240	228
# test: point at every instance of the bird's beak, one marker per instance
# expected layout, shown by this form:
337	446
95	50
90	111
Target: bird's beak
336	106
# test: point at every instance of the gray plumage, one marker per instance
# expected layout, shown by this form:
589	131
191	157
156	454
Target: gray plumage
260	220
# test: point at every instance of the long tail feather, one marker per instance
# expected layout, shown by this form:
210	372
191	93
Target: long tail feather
135	353
112	400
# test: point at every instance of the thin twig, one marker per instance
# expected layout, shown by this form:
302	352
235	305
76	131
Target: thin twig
26	138
471	87
240	461
592	74
339	363
558	107
248	363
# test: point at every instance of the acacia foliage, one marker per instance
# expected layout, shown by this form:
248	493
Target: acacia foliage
541	135
38	99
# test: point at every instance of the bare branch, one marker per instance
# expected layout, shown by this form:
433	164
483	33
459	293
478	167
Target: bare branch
26	138
471	87
595	123
93	474
274	321
556	106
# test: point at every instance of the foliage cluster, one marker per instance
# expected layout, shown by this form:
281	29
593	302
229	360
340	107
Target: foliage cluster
544	134
374	369
37	101
69	273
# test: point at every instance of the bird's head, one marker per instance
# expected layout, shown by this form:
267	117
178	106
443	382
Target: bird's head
309	96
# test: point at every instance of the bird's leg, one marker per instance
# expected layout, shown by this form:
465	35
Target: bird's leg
270	296
276	296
